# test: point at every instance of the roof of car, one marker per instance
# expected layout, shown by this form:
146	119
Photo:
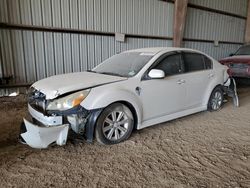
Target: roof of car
159	49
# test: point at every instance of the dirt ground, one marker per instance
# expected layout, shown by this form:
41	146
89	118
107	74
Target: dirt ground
202	150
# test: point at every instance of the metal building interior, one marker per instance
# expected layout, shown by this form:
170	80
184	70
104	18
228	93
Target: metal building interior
42	38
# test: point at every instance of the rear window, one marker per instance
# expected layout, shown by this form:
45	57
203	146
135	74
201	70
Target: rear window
244	50
193	62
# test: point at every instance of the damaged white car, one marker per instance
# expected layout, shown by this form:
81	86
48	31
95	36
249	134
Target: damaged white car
132	90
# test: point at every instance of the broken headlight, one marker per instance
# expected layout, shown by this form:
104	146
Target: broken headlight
68	102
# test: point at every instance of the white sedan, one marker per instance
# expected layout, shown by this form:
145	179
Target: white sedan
131	90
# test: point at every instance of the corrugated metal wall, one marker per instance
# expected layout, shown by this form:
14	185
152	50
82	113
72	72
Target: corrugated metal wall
223	50
1	63
205	25
148	17
32	55
202	24
238	7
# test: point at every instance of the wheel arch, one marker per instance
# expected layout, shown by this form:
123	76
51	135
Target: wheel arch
125	97
210	93
132	109
215	83
91	125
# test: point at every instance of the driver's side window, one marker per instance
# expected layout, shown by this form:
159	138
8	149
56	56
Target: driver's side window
171	65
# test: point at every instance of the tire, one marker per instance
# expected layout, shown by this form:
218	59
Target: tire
216	99
114	125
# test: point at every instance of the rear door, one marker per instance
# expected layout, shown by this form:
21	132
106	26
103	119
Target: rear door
198	75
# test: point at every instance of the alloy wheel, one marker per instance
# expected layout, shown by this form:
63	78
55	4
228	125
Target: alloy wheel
217	100
116	125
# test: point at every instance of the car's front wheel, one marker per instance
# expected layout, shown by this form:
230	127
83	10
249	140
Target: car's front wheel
115	124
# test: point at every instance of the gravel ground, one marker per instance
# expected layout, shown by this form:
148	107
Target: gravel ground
202	150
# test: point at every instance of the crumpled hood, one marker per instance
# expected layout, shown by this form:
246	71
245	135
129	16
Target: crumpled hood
236	59
55	86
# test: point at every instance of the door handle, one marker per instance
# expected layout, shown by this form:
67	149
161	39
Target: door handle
181	81
211	75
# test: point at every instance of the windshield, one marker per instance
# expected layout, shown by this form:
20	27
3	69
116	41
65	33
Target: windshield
126	64
244	50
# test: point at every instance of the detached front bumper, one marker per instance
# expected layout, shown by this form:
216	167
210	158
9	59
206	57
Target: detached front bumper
50	130
231	90
43	130
42	137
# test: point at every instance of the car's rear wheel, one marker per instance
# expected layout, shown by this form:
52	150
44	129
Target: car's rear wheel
216	99
114	125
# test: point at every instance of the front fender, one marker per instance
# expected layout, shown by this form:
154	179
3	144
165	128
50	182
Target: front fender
98	99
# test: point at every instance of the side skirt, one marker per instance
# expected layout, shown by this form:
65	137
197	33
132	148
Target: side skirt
171	117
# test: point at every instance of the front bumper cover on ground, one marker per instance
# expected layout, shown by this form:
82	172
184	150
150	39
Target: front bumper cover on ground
41	137
231	90
50	129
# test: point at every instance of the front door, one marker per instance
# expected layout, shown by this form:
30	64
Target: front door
165	96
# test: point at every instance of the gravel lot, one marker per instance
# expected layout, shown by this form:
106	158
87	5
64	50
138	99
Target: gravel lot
202	150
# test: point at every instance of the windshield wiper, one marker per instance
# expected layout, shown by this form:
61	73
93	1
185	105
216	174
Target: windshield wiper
91	71
111	73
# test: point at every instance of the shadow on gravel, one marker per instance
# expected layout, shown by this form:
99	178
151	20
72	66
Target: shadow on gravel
7	143
12	151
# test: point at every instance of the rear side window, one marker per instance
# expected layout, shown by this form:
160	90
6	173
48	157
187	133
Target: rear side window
208	63
171	65
244	50
193	62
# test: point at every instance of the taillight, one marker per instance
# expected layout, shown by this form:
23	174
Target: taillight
248	70
229	72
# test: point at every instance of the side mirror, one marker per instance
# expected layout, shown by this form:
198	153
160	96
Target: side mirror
232	54
156	74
